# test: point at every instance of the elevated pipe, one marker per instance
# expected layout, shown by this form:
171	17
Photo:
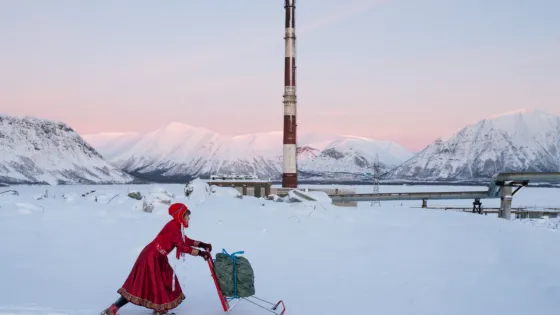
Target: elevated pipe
500	187
411	196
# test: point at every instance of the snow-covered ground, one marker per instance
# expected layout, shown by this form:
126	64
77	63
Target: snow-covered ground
64	253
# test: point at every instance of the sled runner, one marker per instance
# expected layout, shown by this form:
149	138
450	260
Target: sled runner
225	300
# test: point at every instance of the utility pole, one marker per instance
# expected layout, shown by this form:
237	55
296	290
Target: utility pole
376	175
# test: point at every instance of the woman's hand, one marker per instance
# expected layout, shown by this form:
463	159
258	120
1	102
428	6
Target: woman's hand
205	255
205	246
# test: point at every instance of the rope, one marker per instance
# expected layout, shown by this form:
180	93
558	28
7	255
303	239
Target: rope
175	264
234	258
173	279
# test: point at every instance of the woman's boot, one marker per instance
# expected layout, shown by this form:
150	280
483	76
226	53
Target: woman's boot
111	310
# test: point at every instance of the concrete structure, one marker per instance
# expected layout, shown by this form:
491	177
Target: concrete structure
501	186
232	176
289	175
505	202
256	188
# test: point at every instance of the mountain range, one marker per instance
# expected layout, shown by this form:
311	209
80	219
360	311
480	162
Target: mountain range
38	151
178	151
520	141
42	151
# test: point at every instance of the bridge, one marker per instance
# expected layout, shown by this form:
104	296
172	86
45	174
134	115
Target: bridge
501	186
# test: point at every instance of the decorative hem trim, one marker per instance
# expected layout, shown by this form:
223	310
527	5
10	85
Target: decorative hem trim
149	304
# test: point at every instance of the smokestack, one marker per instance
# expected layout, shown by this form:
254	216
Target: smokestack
289	176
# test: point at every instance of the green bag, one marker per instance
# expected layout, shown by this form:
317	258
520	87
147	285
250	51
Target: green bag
234	280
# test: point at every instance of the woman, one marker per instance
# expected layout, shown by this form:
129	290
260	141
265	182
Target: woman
152	283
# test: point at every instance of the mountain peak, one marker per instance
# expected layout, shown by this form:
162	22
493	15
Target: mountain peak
178	150
38	150
519	112
522	140
15	119
178	126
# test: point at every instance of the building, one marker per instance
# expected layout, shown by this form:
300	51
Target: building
247	185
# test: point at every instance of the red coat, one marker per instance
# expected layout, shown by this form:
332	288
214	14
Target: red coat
149	284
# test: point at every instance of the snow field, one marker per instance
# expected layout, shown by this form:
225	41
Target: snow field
68	255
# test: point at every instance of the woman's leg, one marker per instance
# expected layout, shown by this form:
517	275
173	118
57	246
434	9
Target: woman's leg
121	302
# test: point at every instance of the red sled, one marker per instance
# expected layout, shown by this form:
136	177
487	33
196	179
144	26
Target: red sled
226	302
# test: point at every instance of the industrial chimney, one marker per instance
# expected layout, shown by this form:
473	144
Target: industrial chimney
289	176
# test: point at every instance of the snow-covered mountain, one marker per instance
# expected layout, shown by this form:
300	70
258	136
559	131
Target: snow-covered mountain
35	151
525	140
177	151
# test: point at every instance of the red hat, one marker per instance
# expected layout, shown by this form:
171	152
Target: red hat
177	211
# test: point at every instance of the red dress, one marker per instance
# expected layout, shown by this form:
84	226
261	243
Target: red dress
149	284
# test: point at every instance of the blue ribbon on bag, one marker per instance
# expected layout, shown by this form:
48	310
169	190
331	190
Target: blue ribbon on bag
234	258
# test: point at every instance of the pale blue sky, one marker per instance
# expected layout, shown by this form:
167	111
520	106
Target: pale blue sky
404	70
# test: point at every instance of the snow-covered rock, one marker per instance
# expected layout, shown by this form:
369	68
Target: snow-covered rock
36	150
522	141
199	191
225	191
178	152
298	195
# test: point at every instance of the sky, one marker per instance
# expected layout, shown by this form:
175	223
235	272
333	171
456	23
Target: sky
409	71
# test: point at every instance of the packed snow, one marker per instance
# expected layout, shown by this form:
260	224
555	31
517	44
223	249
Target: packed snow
67	249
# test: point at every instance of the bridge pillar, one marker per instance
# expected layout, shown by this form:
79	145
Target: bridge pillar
258	191
424	203
267	190
505	203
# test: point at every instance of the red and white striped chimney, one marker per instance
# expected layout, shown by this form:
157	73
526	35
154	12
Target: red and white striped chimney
289	176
